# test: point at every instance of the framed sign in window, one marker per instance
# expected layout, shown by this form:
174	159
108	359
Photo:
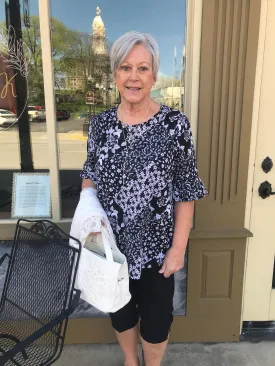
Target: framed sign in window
31	195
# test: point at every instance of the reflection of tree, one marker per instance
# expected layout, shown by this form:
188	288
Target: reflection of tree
73	56
79	58
31	36
82	61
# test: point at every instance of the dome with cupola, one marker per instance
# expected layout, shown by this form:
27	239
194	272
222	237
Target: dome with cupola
98	27
98	34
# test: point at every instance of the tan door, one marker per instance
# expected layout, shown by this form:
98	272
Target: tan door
259	297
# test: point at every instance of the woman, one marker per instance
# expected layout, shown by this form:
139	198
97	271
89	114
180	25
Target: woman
141	159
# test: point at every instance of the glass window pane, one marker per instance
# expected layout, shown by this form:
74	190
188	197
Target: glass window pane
82	65
12	139
84	85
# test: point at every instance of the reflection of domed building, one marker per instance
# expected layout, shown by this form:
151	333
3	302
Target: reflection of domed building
98	35
99	66
100	61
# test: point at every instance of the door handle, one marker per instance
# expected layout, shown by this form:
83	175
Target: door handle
265	190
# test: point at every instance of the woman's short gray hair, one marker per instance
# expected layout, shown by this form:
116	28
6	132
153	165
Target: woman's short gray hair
124	44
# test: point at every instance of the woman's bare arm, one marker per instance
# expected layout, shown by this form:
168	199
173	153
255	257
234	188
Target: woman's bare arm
174	259
184	212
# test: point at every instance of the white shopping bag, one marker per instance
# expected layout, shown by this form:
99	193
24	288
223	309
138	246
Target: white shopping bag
102	275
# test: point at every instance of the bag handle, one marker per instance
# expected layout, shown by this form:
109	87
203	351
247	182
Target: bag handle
106	243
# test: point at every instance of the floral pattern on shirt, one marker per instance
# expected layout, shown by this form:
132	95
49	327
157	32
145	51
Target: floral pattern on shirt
159	169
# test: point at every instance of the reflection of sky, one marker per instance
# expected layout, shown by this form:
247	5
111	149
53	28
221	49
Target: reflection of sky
164	19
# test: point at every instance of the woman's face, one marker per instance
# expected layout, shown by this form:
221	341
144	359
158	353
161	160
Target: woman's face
134	78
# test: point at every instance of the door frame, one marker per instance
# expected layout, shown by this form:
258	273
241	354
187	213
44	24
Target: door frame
252	309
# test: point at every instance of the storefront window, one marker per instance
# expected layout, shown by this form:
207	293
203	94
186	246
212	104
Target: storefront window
81	40
25	147
82	67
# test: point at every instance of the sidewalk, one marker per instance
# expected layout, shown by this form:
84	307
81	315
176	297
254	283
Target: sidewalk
186	354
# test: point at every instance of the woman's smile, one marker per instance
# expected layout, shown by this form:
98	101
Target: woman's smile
131	88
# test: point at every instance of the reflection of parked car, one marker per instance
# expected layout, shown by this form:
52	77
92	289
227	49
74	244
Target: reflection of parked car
41	115
59	115
66	114
33	113
7	118
62	114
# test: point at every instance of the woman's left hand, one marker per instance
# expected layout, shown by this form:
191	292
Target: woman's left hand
173	261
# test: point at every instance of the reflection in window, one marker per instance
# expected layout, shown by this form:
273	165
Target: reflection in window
83	81
11	65
80	55
85	67
81	65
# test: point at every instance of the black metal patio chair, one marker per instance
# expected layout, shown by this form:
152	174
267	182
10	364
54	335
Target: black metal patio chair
38	294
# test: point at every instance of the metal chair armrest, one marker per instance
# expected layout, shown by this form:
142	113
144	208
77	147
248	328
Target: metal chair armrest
40	332
6	255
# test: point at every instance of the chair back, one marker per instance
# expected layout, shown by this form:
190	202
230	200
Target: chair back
41	272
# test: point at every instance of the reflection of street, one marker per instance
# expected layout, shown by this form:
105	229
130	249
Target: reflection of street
71	146
62	126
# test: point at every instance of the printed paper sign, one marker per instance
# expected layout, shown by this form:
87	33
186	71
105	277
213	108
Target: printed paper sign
31	195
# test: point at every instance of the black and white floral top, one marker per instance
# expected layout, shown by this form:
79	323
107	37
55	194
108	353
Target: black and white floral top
159	169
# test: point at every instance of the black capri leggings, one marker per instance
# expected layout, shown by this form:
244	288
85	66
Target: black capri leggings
152	303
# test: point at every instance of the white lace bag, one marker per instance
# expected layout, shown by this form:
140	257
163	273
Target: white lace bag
102	279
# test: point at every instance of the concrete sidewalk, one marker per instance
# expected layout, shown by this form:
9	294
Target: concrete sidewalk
186	354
